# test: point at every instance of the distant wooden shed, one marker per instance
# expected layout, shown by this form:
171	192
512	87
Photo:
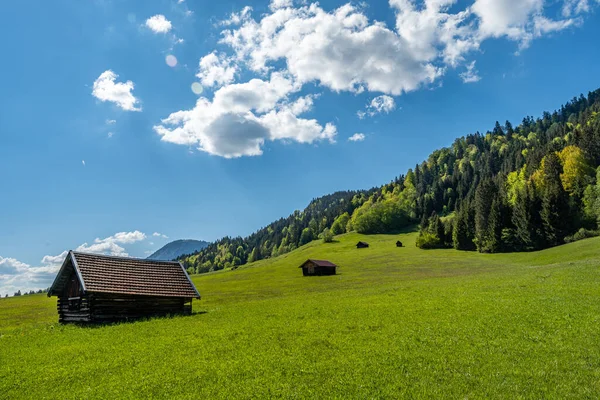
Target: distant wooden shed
362	245
398	244
98	288
318	267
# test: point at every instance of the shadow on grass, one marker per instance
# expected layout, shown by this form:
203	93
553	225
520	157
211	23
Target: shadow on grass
95	325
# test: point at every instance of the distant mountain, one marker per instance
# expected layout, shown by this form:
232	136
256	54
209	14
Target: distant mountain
178	248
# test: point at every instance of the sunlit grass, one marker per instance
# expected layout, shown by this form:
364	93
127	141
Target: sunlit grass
395	322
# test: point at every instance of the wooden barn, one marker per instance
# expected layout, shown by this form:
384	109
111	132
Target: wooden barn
318	267
398	244
362	245
98	288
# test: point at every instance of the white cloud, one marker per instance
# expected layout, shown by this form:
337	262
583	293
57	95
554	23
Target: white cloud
277	4
471	75
357	137
380	104
106	89
237	18
241	117
110	134
55	261
216	70
83	162
124	237
575	7
16	275
9	266
520	20
111	121
159	24
340	50
157	234
111	245
506	17
296	44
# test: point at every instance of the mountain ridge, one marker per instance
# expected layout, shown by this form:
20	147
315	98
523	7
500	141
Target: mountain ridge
178	248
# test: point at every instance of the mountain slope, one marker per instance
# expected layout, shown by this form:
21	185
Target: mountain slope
519	188
178	248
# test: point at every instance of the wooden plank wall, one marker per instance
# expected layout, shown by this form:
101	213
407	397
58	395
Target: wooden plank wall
114	307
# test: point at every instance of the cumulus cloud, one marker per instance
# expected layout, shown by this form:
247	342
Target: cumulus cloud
159	24
295	45
471	75
107	89
277	4
380	104
519	20
357	137
340	50
158	234
216	70
111	121
111	245
242	117
16	275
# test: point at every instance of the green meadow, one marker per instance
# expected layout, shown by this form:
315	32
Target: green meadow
394	323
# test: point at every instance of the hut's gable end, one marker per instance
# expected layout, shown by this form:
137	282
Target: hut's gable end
73	303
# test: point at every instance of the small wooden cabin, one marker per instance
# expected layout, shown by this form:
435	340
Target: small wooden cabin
398	244
362	245
98	288
318	267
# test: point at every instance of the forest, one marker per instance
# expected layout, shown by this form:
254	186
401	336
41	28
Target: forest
514	188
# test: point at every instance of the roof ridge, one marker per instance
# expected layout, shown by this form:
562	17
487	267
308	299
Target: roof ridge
123	257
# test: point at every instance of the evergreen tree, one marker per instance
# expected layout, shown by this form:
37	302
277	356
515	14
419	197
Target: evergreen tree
484	196
462	234
555	212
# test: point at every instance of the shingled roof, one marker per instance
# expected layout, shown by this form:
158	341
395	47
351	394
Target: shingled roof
320	263
123	275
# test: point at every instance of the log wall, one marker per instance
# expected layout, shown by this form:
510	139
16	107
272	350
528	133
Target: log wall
113	307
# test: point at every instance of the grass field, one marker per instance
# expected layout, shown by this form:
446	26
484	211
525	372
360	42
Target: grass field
394	323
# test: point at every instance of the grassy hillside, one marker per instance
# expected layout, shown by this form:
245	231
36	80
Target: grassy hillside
393	323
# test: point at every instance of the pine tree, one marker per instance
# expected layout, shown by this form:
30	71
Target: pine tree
461	234
555	212
484	196
495	225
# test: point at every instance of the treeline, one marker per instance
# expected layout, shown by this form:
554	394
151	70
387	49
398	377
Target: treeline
279	237
25	293
517	189
511	189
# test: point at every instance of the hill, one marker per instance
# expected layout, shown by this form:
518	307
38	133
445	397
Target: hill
394	323
521	188
178	248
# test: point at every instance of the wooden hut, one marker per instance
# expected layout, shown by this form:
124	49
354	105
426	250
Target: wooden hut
362	245
398	244
318	267
98	288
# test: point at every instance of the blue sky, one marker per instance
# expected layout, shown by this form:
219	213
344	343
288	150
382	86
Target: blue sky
105	147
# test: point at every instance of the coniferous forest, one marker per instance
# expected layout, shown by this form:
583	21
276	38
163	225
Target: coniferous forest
514	188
